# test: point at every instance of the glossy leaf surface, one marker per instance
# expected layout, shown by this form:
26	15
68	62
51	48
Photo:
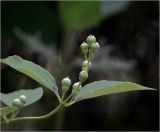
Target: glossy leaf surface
32	70
32	96
104	87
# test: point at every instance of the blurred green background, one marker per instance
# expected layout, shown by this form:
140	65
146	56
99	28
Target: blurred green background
50	33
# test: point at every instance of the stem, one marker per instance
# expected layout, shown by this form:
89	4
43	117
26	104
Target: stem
6	119
57	95
59	98
62	104
70	96
70	103
80	83
14	114
58	108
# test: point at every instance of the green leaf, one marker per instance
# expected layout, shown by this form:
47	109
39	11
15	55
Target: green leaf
7	110
32	96
104	87
79	15
32	70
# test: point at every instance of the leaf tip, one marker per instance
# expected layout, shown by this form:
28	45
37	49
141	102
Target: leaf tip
146	88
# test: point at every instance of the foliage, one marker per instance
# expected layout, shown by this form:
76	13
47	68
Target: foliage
32	96
32	70
42	76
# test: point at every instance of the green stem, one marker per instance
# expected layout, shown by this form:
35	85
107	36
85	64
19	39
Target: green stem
80	83
58	108
70	96
62	104
5	119
70	103
59	98
57	95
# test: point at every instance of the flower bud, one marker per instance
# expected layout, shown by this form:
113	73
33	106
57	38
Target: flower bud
66	82
91	39
94	47
75	85
83	76
84	48
17	103
23	99
75	89
85	64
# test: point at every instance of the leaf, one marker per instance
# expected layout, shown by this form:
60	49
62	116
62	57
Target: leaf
79	15
104	87
7	110
32	96
32	70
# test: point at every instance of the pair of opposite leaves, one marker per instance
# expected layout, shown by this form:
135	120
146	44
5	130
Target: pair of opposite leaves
42	76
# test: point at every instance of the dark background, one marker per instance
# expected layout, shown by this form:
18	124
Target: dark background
49	34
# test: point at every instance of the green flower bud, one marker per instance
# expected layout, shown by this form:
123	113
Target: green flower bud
17	103
66	82
91	39
85	64
84	48
23	99
75	85
83	76
75	89
94	48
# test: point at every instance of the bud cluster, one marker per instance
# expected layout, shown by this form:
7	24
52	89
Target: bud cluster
19	102
91	47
